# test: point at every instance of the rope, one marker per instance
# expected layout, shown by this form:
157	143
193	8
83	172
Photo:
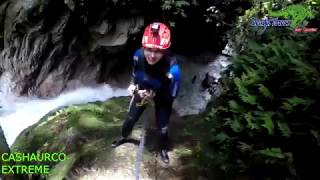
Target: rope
140	150
144	101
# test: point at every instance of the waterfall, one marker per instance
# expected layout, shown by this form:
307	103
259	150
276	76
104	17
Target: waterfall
17	113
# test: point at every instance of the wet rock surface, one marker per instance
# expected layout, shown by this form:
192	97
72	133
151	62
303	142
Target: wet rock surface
199	83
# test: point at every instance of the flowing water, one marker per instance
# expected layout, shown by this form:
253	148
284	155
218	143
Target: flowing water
17	113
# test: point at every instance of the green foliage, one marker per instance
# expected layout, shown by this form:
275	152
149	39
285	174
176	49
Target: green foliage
270	101
272	152
174	8
265	91
176	5
299	13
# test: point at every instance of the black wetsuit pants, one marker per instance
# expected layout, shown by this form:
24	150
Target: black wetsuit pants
163	108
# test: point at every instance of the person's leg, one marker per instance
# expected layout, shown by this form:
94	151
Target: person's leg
163	110
132	117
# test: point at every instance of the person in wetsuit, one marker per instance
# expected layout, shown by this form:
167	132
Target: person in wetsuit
156	75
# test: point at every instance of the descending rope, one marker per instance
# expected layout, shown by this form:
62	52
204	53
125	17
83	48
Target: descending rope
140	151
144	101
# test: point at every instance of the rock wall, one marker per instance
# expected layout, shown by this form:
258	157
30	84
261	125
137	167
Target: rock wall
48	46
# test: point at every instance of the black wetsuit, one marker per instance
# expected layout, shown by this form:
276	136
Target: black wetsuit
156	78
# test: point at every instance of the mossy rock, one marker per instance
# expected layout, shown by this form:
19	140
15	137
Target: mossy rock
80	131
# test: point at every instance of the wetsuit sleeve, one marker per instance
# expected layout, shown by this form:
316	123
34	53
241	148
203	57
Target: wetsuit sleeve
134	67
174	75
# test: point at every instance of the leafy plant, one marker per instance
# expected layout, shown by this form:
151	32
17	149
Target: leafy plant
175	8
268	109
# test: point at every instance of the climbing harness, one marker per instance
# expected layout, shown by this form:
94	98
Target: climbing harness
145	100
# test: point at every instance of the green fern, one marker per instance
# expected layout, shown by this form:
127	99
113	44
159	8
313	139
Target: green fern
272	152
296	101
271	95
287	106
221	137
244	93
235	124
267	121
176	7
249	118
245	147
235	107
265	91
284	128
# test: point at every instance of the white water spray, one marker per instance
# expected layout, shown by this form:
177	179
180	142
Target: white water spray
17	113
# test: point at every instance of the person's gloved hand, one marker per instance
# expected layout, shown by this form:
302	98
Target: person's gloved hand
146	94
131	89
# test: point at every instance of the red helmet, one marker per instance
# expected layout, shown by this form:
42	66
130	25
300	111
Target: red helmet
156	35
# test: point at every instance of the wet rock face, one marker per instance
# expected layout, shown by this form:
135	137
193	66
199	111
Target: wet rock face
48	46
199	84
